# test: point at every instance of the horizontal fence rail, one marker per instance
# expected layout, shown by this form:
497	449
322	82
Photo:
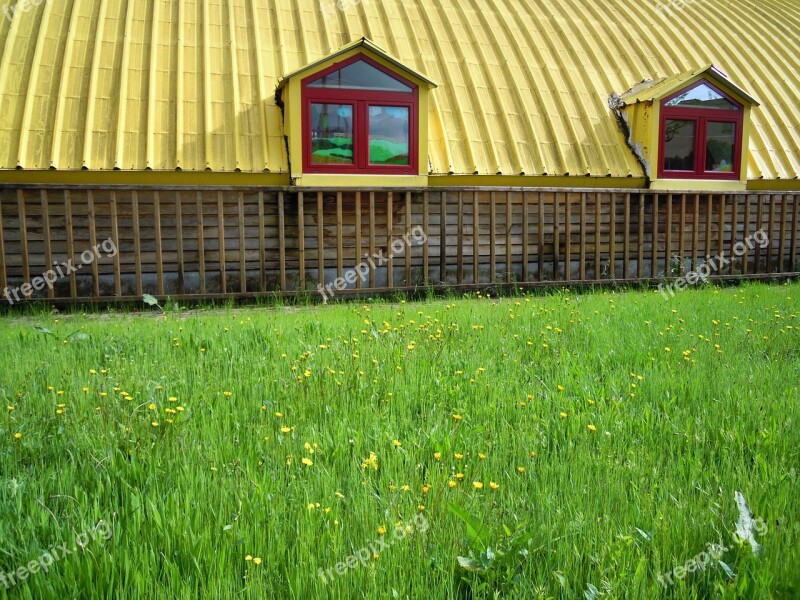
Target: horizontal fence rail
72	245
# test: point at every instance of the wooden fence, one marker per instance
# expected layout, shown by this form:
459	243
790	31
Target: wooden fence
116	244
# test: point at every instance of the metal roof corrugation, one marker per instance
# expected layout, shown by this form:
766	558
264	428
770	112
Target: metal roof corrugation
523	85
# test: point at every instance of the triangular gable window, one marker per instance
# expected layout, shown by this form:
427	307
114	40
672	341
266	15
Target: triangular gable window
702	96
360	75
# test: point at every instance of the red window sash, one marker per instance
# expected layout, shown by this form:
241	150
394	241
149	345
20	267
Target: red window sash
361	100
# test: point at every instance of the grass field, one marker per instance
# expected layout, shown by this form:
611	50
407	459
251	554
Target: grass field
564	446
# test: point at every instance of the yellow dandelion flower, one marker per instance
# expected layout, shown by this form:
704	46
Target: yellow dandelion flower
533	454
561	388
92	372
458	456
307	461
564	415
396	443
457	417
227	394
405	488
339	495
477	485
451	484
591	427
481	456
256	561
85	390
421	507
154	423
437	455
494	486
152	407
381	530
286	429
279	415
459	476
521	469
10	408
18	436
173	399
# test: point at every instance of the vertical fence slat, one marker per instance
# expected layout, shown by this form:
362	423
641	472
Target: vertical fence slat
540	237
115	237
301	240
407	245
759	227
668	241
795	265
92	241
242	246
556	238
442	237
23	239
770	233
159	248
682	233
568	236
782	249
281	239
460	251
3	274
389	232
734	231
582	249
597	236
509	223
709	211
654	238
262	249
492	238
372	275
137	243
223	266
476	232
339	235
358	238
525	241
721	226
48	249
640	240
179	242
426	233
626	238
612	234
746	234
320	240
201	242
695	231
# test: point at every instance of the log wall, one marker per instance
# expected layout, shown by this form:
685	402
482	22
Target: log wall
213	243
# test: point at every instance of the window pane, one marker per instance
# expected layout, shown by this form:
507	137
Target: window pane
679	145
702	96
331	134
388	135
360	75
720	144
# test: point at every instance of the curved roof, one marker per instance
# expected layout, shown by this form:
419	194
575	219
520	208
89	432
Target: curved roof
523	84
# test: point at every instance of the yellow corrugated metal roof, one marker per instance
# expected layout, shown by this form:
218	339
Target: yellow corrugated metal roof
523	84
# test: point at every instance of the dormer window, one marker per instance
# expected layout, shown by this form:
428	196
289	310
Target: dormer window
701	134
360	118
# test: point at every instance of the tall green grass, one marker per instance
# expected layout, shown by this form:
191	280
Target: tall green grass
614	427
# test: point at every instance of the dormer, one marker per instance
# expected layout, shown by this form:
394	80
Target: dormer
357	118
690	131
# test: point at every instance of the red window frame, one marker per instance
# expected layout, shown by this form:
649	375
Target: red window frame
701	118
361	100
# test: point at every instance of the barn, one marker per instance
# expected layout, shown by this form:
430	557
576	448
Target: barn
208	149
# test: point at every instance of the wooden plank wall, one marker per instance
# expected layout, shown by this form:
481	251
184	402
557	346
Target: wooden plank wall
229	243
